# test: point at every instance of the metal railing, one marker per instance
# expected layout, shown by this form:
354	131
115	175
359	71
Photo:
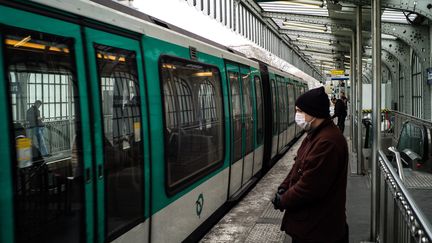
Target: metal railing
58	135
400	219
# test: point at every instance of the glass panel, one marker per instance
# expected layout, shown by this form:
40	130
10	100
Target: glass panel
123	148
236	115
248	101
412	138
260	108
48	166
194	125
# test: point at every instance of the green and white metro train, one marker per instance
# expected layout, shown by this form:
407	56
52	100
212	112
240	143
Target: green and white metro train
144	132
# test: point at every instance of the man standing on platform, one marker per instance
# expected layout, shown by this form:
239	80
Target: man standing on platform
36	126
340	111
313	195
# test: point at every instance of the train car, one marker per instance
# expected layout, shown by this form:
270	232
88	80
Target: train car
119	127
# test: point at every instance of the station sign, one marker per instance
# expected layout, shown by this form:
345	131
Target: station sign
337	72
339	78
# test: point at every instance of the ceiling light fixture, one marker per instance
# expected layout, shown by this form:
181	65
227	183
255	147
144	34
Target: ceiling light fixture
313	41
23	41
304	25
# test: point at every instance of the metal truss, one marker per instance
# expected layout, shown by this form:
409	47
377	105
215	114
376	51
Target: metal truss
390	62
245	18
401	52
417	6
417	37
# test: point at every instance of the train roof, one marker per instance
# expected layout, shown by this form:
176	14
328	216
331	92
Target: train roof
116	14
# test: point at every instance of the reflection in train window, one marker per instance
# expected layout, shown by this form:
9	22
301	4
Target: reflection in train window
48	167
260	110
183	114
193	120
123	148
236	116
248	112
282	104
291	103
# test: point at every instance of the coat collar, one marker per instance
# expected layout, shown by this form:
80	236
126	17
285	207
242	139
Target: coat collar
312	133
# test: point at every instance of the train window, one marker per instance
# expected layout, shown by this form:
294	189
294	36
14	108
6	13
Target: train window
291	103
248	101
236	115
48	184
274	107
122	143
194	127
260	108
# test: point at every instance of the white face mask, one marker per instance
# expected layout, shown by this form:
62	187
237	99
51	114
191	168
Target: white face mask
301	121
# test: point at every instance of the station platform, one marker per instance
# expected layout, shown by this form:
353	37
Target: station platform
255	220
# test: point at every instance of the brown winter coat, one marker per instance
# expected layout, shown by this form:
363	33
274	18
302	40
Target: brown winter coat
314	202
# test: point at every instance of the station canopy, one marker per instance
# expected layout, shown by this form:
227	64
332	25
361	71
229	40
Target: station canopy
322	29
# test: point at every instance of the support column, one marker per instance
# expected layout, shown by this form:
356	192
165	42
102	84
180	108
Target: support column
353	99
359	82
376	113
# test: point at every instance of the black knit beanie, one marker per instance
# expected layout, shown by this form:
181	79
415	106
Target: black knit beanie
314	102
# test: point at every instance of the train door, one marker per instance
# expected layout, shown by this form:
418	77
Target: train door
236	171
117	91
242	126
248	103
259	118
45	171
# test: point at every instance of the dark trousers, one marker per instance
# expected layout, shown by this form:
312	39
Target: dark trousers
345	238
341	123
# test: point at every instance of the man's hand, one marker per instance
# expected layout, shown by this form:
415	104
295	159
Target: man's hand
276	199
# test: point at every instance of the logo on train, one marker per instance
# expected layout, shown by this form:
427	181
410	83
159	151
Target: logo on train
199	204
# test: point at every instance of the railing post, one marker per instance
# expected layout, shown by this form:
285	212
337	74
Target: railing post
376	112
